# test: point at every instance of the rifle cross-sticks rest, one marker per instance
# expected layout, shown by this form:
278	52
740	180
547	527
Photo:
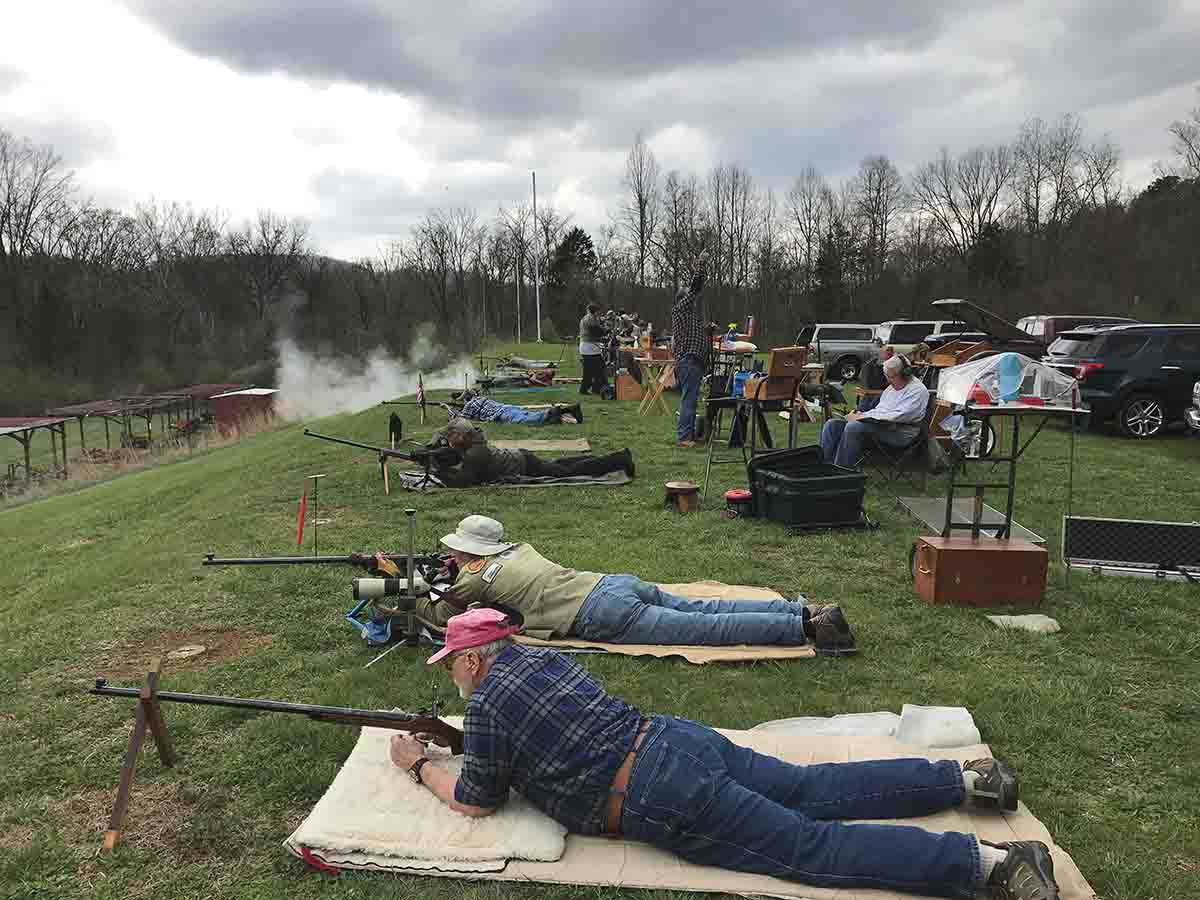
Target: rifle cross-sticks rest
148	716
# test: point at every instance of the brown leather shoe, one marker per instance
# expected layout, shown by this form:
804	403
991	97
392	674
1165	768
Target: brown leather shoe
685	445
1027	873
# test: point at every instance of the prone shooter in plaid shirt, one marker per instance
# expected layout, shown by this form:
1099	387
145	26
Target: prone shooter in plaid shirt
539	724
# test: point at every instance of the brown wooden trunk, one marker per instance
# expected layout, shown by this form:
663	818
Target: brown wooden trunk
983	572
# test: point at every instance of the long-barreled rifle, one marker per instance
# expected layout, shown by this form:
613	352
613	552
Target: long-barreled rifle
429	457
362	560
426	721
148	719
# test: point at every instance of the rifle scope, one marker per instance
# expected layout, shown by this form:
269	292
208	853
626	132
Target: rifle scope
374	588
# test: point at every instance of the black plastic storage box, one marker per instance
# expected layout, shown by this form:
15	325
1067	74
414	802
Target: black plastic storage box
807	494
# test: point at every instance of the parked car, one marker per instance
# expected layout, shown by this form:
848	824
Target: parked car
1141	376
1047	328
1192	415
906	334
843	347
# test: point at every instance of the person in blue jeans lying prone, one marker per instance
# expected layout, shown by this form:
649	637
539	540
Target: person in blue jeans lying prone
557	602
539	724
484	409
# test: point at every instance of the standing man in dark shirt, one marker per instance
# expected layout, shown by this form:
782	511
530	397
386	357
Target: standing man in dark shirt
690	342
539	724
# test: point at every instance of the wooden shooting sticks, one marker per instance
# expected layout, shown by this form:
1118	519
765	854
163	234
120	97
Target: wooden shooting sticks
147	715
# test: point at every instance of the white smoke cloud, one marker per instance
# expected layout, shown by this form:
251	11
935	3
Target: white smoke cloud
312	386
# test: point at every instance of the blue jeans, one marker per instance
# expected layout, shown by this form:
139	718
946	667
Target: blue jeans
842	441
514	415
701	796
623	609
689	371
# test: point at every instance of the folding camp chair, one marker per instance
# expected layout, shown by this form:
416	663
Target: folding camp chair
893	463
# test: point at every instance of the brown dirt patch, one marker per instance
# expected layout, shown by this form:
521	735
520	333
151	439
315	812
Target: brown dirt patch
219	644
82	542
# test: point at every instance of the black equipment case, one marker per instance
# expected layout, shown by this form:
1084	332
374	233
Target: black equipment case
795	488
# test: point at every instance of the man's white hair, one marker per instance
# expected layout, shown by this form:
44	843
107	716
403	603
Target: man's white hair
489	650
894	364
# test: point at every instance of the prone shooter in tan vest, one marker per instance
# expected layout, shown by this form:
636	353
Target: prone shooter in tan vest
557	602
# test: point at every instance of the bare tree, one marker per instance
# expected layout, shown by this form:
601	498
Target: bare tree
1186	144
806	215
1102	187
639	216
269	251
518	228
682	233
879	190
1048	164
964	196
34	194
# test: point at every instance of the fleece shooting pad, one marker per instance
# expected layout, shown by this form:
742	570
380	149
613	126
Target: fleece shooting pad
698	590
416	481
613	862
568	445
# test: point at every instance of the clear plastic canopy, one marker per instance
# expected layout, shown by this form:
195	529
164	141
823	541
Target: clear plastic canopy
1007	378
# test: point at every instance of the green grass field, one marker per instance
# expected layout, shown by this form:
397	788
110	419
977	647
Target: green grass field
1102	720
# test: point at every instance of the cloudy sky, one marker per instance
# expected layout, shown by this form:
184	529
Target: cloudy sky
361	115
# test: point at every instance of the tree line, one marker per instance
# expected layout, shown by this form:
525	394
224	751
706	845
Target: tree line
96	301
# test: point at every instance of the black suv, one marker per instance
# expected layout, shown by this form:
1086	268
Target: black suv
1139	375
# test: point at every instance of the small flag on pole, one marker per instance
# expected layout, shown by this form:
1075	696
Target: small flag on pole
300	524
421	396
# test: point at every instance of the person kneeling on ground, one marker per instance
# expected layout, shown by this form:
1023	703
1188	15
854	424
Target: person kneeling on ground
484	464
483	409
895	420
538	723
557	602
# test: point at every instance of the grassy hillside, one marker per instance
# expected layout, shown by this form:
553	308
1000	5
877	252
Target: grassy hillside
1102	720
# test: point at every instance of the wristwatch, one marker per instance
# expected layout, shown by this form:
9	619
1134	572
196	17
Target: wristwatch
414	771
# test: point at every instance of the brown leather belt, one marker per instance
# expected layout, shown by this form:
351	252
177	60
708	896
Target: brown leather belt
616	794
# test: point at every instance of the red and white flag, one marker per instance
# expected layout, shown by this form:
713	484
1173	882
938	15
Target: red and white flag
421	396
300	524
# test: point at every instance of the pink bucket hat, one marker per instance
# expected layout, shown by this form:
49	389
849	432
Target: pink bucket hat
474	628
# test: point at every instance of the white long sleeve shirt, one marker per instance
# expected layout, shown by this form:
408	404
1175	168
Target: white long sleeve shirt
905	407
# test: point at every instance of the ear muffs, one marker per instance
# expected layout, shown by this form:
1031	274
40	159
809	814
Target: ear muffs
906	369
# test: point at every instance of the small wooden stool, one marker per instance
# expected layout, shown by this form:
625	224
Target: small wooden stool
682	496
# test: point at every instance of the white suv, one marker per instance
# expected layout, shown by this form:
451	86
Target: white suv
905	334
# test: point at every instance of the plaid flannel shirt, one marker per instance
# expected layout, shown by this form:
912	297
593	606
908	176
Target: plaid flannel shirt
482	409
688	335
541	725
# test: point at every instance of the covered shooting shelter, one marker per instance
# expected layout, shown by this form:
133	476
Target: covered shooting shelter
123	410
22	428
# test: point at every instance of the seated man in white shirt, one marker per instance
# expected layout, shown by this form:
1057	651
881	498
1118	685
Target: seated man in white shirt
895	421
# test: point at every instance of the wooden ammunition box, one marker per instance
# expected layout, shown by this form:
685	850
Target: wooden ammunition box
628	388
983	572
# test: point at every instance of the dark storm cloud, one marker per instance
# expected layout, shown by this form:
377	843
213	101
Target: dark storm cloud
533	62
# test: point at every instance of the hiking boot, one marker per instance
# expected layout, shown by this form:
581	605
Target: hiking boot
629	467
996	787
685	445
1027	873
831	633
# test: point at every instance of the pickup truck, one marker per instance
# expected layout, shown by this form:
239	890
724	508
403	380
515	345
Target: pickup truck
843	347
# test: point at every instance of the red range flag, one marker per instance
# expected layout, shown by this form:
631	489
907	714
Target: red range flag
300	524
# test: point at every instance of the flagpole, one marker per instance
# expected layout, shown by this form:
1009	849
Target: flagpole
537	286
